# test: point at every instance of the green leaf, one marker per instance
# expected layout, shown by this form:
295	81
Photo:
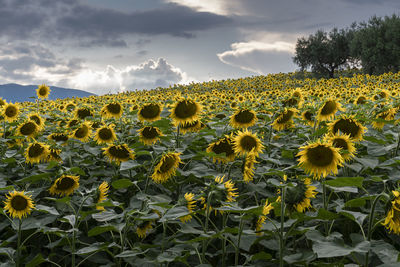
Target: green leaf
346	181
101	229
385	251
35	261
261	256
90	249
324	214
129	253
47	209
368	162
121	183
358	202
127	165
36	178
77	170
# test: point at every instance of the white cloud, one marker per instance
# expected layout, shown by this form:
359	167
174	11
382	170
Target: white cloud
260	57
220	7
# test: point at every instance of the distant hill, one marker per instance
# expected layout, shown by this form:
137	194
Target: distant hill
12	92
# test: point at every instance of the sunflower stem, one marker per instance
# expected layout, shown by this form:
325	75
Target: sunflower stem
325	201
177	136
238	242
281	235
206	226
398	145
224	219
19	244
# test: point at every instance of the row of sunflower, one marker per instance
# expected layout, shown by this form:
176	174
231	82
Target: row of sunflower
231	172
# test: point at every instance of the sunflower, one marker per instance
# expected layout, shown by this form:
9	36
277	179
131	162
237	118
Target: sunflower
37	119
18	204
150	112
190	204
299	197
245	142
102	194
229	188
65	185
185	110
320	159
348	125
43	91
243	118
392	220
360	100
118	153
382	117
83	132
10	112
36	152
105	134
82	113
308	117
58	137
148	135
284	120
112	110
265	211
248	171
223	146
193	127
54	155
166	168
343	142
328	110
28	129
143	229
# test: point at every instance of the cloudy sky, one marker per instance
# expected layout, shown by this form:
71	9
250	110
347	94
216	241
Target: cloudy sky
106	46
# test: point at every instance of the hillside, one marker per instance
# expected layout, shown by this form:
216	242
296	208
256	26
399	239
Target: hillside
19	93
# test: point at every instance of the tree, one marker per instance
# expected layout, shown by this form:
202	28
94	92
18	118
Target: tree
377	44
324	52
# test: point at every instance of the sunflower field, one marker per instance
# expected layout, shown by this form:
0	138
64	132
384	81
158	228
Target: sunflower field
260	171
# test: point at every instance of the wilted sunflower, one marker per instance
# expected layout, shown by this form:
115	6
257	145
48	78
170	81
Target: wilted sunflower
192	127
299	197
284	120
18	204
142	229
65	185
148	135
36	152
166	168
382	117
43	91
83	132
243	118
392	220
150	112
320	159
118	153
83	112
223	146
102	194
246	142
112	110
28	129
190	204
328	110
348	125
265	211
105	134
248	171
343	142
37	119
10	112
185	110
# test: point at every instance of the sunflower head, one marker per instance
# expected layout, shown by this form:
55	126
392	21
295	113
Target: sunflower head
344	143
112	110
309	117
18	204
83	132
10	112
36	152
102	194
284	120
43	91
143	229
243	118
191	127
82	113
328	110
191	205
37	119
392	220
246	142
105	134
223	146
64	185
150	112
28	129
118	153
320	159
58	137
148	135
54	155
166	168
185	110
349	126
248	170
299	197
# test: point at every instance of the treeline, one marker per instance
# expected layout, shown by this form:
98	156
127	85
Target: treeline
373	47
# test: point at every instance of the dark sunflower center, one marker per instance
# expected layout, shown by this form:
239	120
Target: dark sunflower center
361	100
82	131
83	113
72	123
28	128
149	132
185	109
167	164
328	108
35	118
119	152
320	156
55	154
11	112
285	116
114	108
340	143
35	150
19	203
295	195
150	111
291	102
346	126
105	134
244	116
223	147
309	116
70	107
65	183
42	91
248	142
220	116
59	137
